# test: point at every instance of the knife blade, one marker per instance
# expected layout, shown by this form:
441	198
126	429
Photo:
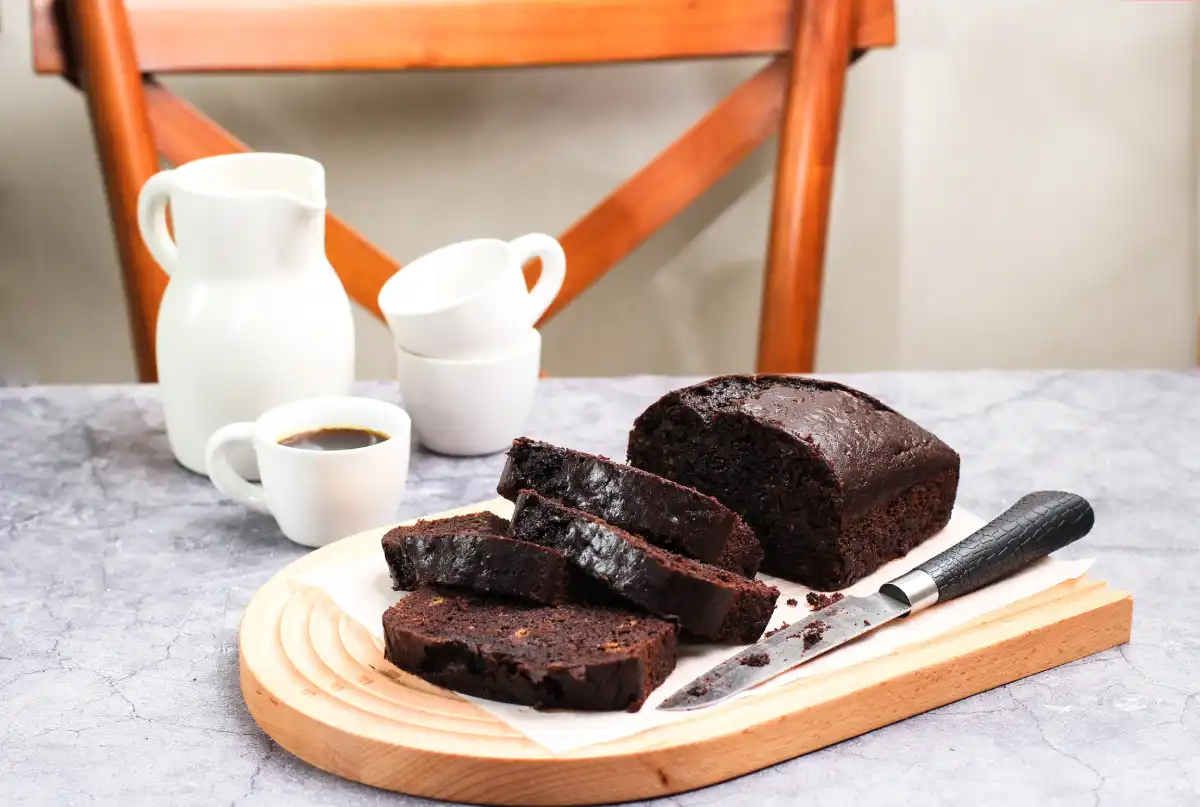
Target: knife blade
1035	526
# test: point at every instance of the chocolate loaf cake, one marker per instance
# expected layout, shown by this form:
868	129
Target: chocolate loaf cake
550	657
659	510
834	482
708	602
480	562
404	575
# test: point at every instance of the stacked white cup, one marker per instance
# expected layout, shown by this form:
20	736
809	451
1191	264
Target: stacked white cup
468	355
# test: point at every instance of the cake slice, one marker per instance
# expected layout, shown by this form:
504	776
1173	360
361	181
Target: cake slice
834	482
397	540
550	657
664	513
480	562
708	602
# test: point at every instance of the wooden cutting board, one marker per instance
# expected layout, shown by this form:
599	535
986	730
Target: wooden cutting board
316	681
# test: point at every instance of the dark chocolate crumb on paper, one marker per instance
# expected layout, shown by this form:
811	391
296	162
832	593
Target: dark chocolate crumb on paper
792	602
755	660
816	600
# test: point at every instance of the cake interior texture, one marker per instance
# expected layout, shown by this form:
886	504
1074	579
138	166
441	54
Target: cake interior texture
834	482
549	656
709	602
662	511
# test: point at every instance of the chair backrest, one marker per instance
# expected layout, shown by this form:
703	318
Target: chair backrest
111	50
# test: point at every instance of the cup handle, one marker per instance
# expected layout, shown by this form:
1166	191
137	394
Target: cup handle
152	220
227	480
554	269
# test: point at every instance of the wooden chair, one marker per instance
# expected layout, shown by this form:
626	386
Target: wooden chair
111	50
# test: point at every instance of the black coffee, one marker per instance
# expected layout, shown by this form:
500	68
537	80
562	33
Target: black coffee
340	438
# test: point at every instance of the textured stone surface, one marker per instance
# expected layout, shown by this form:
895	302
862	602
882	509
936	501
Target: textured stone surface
122	579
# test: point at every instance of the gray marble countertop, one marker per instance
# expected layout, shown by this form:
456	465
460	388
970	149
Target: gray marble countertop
123	577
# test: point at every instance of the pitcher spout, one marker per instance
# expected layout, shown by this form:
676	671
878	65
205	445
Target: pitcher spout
294	180
251	212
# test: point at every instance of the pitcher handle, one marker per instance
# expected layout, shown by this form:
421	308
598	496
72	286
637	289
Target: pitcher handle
554	269
152	220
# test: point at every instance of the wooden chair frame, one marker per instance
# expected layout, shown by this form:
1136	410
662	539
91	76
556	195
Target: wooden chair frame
111	50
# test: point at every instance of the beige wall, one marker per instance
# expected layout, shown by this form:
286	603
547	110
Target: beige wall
1028	160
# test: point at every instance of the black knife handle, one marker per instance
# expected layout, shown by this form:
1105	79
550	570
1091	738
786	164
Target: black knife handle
1035	526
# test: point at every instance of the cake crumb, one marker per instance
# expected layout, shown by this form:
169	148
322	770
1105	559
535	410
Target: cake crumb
755	660
699	690
812	633
792	601
816	600
773	631
866	622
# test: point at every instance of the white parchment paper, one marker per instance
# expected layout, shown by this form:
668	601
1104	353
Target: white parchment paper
362	589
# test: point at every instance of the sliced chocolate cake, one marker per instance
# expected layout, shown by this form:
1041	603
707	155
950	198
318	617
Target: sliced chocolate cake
659	510
550	657
396	541
485	563
708	602
834	482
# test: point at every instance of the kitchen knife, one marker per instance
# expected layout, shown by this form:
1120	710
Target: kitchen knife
1035	526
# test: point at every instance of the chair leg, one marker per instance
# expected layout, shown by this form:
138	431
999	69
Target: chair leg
103	43
787	341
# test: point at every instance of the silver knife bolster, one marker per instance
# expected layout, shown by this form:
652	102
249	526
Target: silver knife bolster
916	588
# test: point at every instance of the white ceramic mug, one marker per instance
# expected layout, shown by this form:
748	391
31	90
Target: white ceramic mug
469	300
475	407
318	496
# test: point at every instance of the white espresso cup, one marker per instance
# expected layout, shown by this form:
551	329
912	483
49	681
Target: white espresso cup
469	300
318	496
473	407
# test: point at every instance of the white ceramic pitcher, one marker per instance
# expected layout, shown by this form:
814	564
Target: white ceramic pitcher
253	315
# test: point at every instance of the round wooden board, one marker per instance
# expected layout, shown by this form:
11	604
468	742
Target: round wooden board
317	683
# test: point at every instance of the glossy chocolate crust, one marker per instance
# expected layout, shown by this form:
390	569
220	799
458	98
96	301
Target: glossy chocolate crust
486	563
395	541
663	512
707	601
549	657
834	482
